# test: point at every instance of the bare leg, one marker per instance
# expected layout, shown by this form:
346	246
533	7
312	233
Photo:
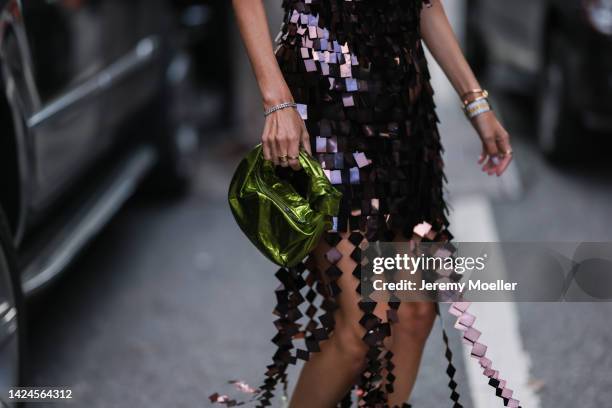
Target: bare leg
330	373
408	337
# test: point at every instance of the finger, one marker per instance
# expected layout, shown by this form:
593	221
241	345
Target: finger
492	169
504	164
482	158
294	164
265	142
490	145
266	150
293	153
486	166
306	141
491	152
503	145
273	145
483	155
282	148
490	164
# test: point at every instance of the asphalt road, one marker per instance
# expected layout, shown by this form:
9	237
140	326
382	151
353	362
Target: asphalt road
171	301
166	306
569	343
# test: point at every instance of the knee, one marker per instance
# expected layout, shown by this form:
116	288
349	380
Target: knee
415	320
348	341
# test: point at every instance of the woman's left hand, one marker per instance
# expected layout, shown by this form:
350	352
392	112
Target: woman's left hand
496	149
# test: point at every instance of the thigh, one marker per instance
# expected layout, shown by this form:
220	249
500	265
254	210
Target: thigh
325	257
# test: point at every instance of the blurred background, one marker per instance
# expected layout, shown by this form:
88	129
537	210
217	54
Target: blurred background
122	273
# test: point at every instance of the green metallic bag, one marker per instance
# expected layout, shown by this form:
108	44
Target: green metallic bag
284	217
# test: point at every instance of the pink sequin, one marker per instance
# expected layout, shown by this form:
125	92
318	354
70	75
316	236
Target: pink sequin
422	229
361	159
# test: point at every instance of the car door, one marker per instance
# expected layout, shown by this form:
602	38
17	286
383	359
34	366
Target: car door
514	29
136	31
69	61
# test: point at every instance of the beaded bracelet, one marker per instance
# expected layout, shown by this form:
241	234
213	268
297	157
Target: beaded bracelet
278	107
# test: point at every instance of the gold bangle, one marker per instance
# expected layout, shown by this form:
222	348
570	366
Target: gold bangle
483	94
471	91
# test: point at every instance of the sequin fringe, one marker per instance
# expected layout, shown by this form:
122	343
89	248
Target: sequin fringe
358	72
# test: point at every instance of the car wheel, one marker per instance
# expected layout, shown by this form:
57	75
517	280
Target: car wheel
176	138
11	315
558	126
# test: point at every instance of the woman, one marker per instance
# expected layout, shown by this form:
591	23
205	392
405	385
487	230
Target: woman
348	82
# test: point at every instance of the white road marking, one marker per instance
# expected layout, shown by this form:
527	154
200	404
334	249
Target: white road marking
473	221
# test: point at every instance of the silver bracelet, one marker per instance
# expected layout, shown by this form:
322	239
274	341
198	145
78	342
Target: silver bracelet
278	107
477	108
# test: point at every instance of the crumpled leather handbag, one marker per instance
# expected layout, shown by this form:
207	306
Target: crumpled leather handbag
284	217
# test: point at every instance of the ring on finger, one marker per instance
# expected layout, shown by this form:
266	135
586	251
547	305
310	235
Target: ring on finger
283	158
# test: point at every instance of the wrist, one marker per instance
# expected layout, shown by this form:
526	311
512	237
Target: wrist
469	90
466	85
281	106
477	120
474	95
271	99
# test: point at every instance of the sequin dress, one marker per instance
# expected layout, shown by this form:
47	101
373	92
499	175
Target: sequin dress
358	71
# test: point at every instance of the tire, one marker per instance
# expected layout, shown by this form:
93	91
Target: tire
11	309
558	124
177	142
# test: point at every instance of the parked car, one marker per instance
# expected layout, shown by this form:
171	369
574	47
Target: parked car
86	117
565	47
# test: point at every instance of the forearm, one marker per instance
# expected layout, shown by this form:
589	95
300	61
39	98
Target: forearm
253	25
443	45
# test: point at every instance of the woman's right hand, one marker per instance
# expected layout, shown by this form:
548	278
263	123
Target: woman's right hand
284	132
